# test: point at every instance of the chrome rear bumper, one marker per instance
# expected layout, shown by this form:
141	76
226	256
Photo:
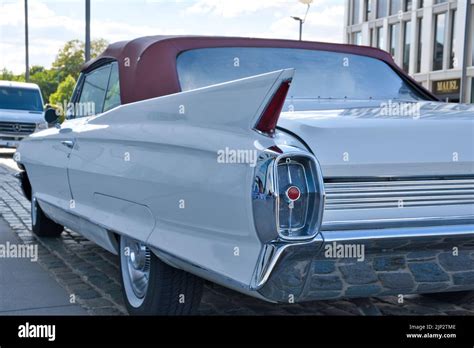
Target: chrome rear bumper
396	261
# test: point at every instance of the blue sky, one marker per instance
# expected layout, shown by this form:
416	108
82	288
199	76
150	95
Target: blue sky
53	22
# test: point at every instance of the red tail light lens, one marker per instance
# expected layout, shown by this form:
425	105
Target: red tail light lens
270	116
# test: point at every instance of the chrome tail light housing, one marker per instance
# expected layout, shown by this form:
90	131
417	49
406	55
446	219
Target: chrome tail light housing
288	195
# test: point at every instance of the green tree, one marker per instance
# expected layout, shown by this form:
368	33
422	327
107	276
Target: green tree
71	57
46	79
63	94
55	83
8	75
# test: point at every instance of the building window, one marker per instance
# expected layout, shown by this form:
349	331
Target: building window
408	5
382	8
371	37
357	38
453	58
406	45
439	37
420	3
394	36
356	12
367	9
395	7
380	38
420	44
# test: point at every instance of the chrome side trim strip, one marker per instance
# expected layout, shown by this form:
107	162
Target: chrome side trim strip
397	233
396	204
400	223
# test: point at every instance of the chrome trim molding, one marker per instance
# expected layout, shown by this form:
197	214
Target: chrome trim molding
422	256
352	193
396	223
398	233
272	253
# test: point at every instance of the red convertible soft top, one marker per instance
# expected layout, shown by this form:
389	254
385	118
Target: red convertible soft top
147	65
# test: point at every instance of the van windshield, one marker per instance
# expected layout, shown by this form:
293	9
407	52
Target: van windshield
14	98
319	74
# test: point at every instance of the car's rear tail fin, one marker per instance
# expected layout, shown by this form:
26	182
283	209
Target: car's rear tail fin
250	103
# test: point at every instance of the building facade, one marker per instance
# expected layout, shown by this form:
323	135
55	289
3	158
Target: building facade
432	40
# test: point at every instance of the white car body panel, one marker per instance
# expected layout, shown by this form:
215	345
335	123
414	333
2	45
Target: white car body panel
117	181
359	141
439	141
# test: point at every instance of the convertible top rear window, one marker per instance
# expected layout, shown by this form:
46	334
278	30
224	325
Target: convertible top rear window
319	74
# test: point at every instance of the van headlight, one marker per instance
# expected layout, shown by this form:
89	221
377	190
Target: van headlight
41	126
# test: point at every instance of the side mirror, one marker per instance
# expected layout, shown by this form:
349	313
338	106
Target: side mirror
51	116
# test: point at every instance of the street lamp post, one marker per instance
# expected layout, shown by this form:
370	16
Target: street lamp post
463	91
302	20
27	55
87	49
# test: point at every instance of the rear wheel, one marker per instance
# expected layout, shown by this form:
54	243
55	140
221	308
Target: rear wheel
151	287
41	225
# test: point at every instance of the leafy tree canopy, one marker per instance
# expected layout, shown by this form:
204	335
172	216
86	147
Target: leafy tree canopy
68	63
64	92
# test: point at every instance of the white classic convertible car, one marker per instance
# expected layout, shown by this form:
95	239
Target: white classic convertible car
288	171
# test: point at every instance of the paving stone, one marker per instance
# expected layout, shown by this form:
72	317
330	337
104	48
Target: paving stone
428	272
358	273
326	283
323	267
462	262
389	263
463	278
397	280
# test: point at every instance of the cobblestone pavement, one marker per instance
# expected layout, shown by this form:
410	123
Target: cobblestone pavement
92	274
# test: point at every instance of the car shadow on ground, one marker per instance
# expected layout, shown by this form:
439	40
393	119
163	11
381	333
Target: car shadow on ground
6	153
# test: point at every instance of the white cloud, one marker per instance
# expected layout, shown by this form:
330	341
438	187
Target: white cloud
233	8
324	21
40	16
50	29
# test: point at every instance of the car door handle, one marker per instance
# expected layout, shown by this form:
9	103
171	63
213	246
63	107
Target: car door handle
68	143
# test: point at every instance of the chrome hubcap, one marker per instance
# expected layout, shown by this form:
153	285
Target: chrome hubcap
137	267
